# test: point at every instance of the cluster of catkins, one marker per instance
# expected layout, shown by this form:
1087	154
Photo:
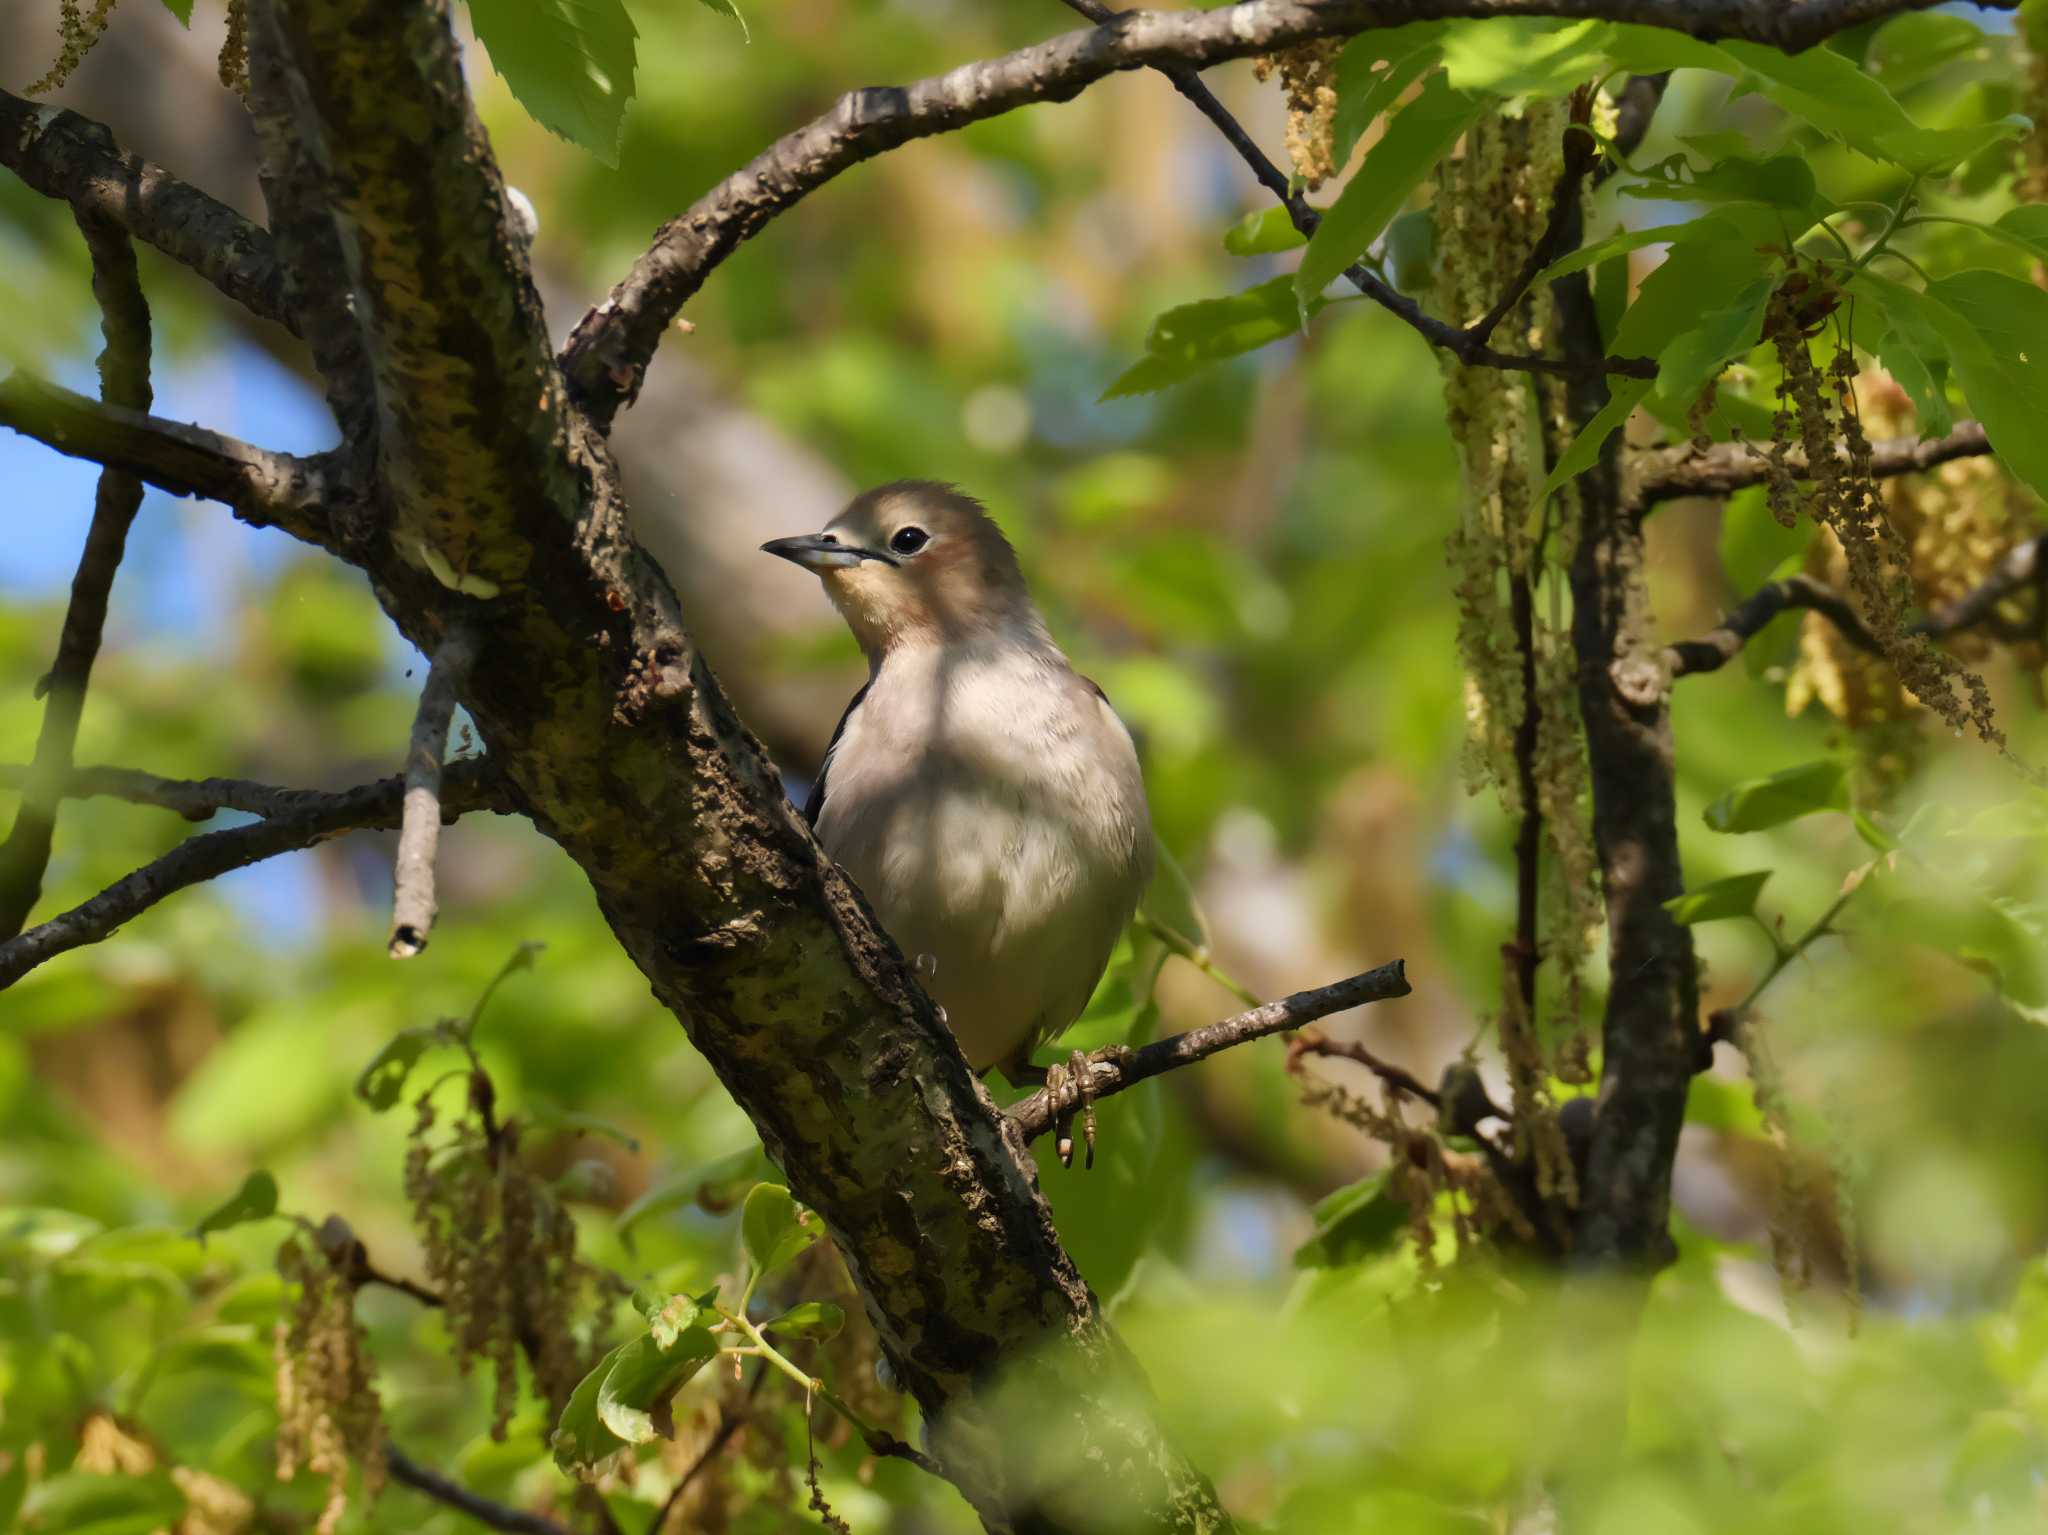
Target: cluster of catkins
1308	77
327	1409
501	1250
79	31
1868	548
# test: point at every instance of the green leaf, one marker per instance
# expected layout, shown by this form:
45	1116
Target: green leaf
523	956
1185	340
554	1117
714	1186
818	1319
1625	395
580	1438
255	1200
383	1080
727	8
1417	136
2027	225
1723	334
1755	546
667	1315
1911	348
773	1229
1411	251
568	62
1356	1221
87	1503
1909	49
633	1399
182	9
1996	328
1784	183
1373	71
1872	833
1522	56
1614	245
1261	234
1734	896
1786	796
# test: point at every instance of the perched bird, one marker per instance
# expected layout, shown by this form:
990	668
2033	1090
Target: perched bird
986	799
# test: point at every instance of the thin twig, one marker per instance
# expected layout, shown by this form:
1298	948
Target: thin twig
1036	1114
2021	564
413	903
1313	1041
1731	466
1722	644
124	381
498	1516
466	786
195	799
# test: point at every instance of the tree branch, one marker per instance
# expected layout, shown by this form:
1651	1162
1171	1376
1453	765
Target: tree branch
2021	564
264	489
124	381
412	900
1724	642
1035	1115
608	353
193	798
468	786
1670	473
1311	1041
498	1516
76	160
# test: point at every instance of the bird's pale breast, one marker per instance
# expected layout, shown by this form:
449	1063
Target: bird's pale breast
989	805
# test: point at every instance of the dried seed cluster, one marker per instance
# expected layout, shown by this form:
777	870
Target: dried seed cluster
502	1252
1308	74
1883	571
327	1408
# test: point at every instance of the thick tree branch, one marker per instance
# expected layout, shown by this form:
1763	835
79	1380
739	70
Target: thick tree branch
1727	467
74	159
264	489
608	353
124	381
1036	1114
1723	643
497	1516
211	854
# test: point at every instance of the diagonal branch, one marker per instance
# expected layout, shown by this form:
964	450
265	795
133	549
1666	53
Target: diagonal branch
264	489
1036	1114
76	160
467	786
1724	642
124	381
608	353
1671	473
496	1516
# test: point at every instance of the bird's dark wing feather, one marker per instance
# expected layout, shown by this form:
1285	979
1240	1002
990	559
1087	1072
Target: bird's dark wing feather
1087	682
814	806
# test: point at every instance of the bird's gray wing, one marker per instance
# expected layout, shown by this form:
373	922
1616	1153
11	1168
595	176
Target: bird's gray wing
814	806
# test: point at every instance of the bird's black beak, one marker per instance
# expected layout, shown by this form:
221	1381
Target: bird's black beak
821	552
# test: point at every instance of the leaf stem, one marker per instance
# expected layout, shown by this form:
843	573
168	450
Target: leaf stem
1198	956
878	1440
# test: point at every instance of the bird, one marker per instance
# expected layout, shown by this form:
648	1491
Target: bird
983	795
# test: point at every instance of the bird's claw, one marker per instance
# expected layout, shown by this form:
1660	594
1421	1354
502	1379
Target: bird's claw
1072	1086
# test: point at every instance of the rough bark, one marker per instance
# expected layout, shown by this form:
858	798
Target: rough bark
503	514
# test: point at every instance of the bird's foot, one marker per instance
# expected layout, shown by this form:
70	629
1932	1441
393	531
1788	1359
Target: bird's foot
1072	1086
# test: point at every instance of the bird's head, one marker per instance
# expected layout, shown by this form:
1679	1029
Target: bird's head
916	562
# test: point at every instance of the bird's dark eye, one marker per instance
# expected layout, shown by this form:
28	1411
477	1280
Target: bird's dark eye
908	540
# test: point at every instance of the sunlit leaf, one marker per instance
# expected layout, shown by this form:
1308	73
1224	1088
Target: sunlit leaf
1263	233
1374	69
633	1399
568	62
1996	329
1765	802
814	1319
1720	899
773	1229
182	9
383	1080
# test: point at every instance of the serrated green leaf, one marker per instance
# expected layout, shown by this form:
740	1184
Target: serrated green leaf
1356	1221
1416	137
1619	244
727	8
255	1200
1766	802
1189	338
1373	70
817	1319
1734	896
383	1080
1722	335
1996	330
1623	397
1263	233
1783	183
568	62
1524	56
633	1399
773	1229
182	9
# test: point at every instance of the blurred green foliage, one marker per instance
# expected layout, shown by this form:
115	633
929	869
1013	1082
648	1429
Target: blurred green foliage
1250	561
